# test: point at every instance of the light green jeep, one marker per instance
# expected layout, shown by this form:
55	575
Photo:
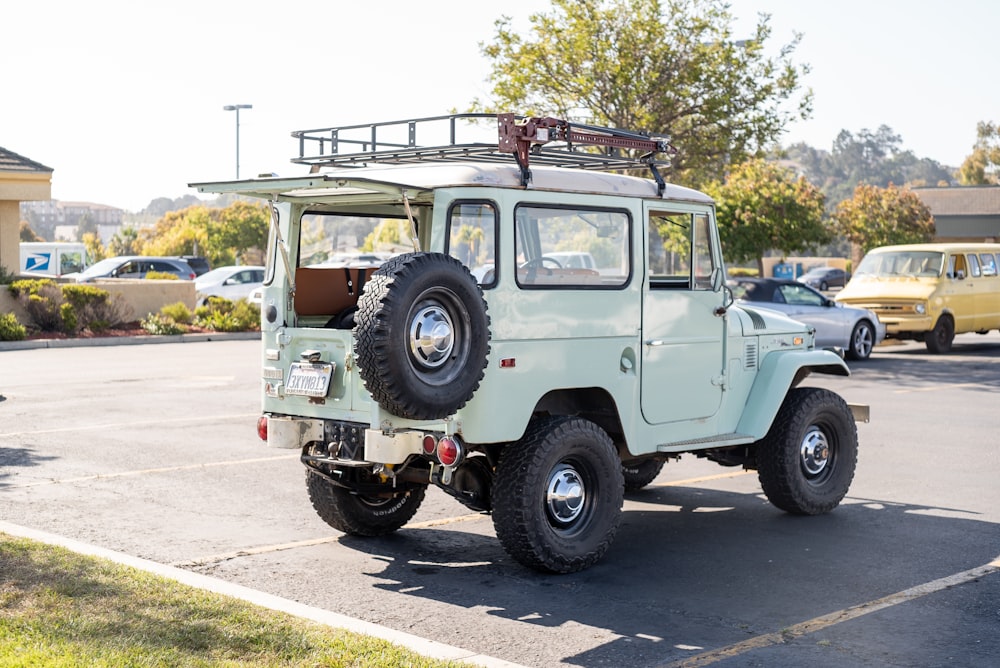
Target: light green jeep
420	329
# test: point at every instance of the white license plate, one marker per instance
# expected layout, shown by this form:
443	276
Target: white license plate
309	380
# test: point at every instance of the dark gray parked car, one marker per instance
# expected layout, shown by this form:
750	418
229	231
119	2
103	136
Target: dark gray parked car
824	278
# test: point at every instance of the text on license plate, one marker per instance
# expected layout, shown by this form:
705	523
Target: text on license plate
310	380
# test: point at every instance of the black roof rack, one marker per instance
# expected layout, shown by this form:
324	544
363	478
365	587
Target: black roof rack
464	137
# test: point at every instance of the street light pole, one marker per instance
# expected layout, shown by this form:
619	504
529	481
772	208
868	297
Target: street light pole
236	108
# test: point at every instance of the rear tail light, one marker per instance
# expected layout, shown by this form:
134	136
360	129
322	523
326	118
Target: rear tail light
449	451
429	445
262	427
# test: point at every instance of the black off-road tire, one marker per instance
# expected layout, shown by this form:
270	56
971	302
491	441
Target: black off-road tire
641	472
421	335
558	494
939	339
358	515
862	341
807	460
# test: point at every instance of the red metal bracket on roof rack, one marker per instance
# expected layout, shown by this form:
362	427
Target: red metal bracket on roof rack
523	136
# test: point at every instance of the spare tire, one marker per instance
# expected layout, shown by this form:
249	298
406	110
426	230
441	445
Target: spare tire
421	335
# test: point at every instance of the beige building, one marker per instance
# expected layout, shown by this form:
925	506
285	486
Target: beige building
21	180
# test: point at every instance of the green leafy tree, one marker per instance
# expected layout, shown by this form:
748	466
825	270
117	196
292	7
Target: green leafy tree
240	228
670	67
762	206
125	242
982	165
877	216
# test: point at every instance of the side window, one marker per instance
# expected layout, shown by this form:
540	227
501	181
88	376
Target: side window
989	264
572	247
800	296
704	264
472	239
974	264
956	266
669	253
680	251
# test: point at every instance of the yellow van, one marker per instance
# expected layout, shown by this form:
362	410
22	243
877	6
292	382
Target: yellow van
929	292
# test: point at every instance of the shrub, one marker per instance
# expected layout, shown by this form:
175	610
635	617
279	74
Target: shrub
157	323
178	312
6	277
161	275
29	286
11	329
96	309
43	302
223	315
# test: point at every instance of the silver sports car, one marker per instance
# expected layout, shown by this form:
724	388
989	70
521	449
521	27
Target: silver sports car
855	330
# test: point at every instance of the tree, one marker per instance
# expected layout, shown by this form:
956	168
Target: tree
95	249
762	206
981	166
877	216
669	67
28	234
876	158
125	242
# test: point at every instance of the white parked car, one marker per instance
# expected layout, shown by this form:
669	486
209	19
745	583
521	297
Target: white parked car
856	330
232	282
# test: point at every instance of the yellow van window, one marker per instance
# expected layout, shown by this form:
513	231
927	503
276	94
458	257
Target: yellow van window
989	264
974	264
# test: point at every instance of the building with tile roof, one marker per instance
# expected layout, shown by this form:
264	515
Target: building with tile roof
21	180
966	213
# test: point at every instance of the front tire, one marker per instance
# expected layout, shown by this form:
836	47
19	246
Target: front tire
558	494
359	515
807	460
939	339
862	341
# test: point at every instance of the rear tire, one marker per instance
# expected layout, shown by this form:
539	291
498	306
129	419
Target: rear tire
807	460
359	515
558	494
641	472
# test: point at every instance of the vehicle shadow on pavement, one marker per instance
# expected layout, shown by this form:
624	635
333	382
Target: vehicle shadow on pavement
912	367
14	458
696	568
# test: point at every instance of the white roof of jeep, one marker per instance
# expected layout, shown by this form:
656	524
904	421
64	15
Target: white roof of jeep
433	175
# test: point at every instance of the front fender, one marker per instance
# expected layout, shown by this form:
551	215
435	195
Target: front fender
778	373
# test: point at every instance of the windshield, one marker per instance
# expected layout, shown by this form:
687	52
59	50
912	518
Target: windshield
103	267
902	263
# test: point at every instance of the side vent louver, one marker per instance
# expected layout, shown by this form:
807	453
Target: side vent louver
750	355
755	318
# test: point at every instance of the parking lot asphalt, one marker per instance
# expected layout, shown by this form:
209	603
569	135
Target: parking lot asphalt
150	453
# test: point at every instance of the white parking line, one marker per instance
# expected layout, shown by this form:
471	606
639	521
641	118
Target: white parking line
825	621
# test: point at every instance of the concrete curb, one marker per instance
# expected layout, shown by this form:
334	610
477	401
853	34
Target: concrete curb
127	340
428	648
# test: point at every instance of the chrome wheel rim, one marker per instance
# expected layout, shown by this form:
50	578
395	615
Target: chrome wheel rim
565	495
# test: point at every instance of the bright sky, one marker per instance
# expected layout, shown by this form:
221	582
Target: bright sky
124	99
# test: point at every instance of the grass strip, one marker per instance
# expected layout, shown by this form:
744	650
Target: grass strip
64	610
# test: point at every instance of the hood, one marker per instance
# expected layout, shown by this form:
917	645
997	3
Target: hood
867	288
